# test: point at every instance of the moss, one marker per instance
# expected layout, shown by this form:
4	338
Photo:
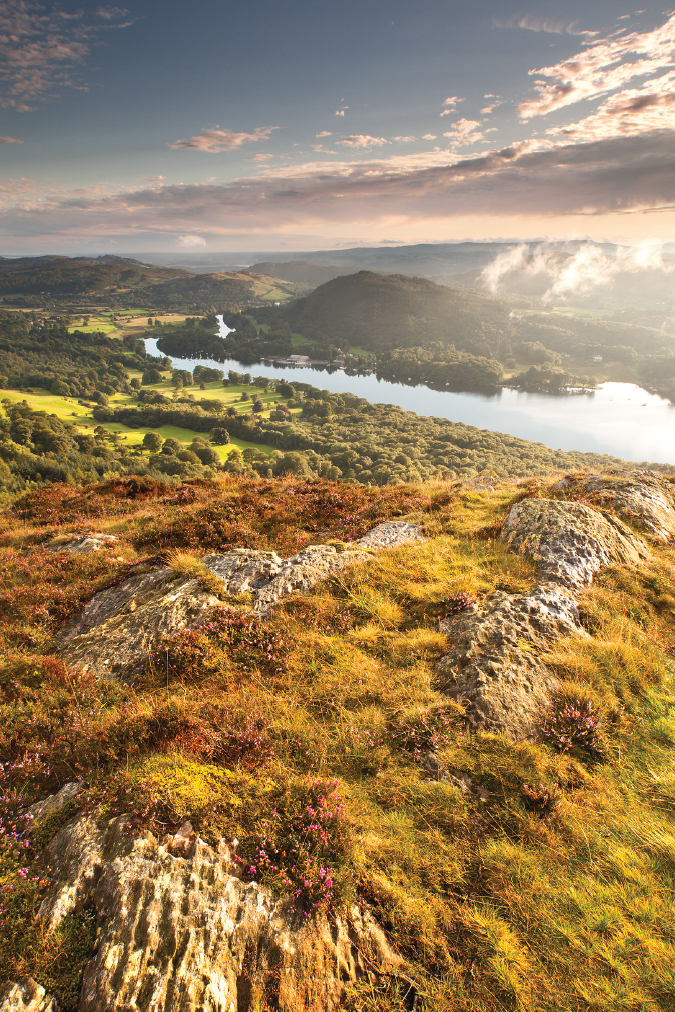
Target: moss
46	828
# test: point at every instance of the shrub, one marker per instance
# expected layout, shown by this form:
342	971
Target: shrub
461	601
426	731
250	643
573	725
543	799
303	845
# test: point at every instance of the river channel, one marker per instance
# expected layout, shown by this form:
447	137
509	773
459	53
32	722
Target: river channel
618	418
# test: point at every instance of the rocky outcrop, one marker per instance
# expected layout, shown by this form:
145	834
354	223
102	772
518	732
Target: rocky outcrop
28	996
494	667
179	930
390	534
643	497
122	625
303	571
82	544
52	804
570	542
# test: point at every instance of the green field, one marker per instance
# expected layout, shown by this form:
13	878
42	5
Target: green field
69	410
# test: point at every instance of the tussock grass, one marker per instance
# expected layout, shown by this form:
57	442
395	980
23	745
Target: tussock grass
495	904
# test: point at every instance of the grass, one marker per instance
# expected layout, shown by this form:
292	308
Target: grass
70	410
248	727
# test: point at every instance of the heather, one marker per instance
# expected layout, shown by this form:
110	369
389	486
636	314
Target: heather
307	737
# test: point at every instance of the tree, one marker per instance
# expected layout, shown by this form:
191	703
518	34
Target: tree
172	446
135	383
152	441
60	389
149	321
245	396
151	376
258	405
220	437
286	390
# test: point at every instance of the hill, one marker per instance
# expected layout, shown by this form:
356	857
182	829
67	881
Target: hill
119	283
386	311
302	271
303	746
60	275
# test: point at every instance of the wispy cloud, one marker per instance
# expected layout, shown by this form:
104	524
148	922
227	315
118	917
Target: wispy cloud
494	104
601	68
218	139
324	133
463	132
450	104
191	241
556	26
631	112
43	50
362	141
10	140
625	175
404	140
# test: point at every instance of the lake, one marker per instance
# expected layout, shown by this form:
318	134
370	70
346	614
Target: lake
617	418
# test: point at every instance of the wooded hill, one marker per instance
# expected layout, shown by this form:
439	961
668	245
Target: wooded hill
386	311
120	283
61	275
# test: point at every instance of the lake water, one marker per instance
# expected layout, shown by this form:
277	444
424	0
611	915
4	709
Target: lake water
618	418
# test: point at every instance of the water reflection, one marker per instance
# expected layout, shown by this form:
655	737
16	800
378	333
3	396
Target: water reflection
620	419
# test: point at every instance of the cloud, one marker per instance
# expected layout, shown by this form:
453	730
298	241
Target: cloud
154	179
10	140
623	176
362	141
632	111
322	150
601	68
557	26
339	112
463	132
262	157
217	139
43	50
451	104
489	109
111	13
404	140
324	133
429	137
191	241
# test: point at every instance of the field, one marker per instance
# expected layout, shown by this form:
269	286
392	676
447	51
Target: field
68	409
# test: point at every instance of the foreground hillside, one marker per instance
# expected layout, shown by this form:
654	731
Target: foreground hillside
312	745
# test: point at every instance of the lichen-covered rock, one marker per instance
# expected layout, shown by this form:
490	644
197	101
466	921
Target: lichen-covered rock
303	571
120	626
390	534
568	541
82	544
244	569
646	498
52	804
28	996
180	931
494	668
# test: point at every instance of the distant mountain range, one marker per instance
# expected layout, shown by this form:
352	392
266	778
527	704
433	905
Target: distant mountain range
427	260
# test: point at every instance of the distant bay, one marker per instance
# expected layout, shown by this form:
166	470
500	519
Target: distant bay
620	419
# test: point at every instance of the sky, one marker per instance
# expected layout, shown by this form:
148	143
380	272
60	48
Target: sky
268	125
